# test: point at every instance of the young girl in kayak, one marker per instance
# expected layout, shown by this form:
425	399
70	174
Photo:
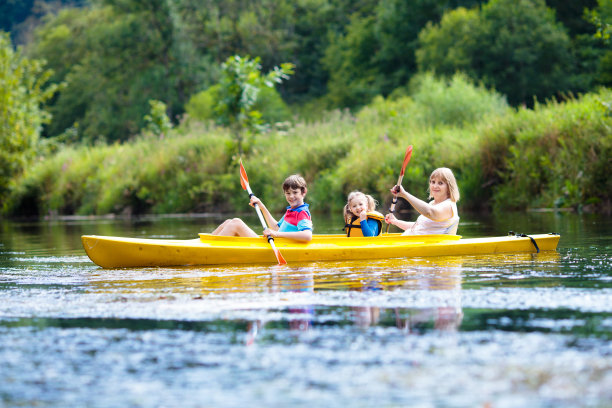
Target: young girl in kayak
360	217
440	215
295	224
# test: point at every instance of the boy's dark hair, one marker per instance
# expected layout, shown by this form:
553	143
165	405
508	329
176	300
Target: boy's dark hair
295	181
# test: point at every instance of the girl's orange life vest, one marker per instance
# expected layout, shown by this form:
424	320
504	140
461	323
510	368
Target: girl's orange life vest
354	228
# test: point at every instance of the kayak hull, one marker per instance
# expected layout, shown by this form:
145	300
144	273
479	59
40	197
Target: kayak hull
119	252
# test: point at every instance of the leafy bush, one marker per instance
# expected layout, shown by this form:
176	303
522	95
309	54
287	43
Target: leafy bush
201	106
22	91
556	154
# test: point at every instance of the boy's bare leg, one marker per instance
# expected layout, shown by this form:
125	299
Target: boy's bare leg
220	227
234	228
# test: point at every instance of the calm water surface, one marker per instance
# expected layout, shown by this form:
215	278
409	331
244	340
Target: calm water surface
519	330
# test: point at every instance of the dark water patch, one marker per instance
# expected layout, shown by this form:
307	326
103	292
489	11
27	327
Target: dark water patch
563	321
220	326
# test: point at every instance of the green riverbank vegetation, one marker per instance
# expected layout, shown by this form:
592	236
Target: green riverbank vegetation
137	107
554	155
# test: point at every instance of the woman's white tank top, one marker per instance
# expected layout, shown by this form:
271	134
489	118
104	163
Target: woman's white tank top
424	225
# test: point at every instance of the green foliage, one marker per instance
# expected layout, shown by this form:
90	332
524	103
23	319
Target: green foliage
348	59
201	106
454	102
238	94
397	28
555	155
450	46
115	57
173	174
22	91
601	17
274	30
375	53
515	46
157	122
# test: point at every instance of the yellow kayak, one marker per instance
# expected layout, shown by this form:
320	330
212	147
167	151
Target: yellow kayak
118	252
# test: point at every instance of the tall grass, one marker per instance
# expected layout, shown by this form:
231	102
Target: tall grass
557	154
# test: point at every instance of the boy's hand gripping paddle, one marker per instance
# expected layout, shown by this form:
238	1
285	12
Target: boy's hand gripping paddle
399	180
244	180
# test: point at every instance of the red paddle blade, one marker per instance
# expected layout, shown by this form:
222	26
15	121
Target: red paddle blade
406	159
244	180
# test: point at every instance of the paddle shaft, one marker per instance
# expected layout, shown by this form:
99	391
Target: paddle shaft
264	225
392	207
407	157
244	181
399	183
259	214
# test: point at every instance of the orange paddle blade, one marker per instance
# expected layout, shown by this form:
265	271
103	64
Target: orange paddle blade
279	257
406	159
244	180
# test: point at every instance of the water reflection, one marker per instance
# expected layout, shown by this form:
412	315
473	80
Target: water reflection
300	317
414	295
440	279
523	329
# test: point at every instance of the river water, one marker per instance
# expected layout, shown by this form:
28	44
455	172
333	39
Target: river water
514	330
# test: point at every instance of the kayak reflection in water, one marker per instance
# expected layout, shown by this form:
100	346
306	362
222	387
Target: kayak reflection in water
437	285
300	316
443	285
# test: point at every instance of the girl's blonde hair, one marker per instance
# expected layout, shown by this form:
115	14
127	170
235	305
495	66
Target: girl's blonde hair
371	202
447	176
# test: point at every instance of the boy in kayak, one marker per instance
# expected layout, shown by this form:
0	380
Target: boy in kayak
440	215
295	224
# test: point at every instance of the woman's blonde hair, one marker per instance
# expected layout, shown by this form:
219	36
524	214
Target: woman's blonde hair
447	176
371	202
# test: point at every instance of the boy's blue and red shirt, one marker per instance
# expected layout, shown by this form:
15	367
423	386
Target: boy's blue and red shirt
296	219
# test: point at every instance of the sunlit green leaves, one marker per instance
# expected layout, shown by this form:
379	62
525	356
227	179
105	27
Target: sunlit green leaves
238	91
22	91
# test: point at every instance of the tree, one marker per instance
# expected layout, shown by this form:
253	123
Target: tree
450	46
375	53
398	23
601	18
22	91
239	88
352	72
116	56
515	46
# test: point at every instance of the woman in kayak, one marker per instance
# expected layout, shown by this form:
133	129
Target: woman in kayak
360	217
440	215
295	224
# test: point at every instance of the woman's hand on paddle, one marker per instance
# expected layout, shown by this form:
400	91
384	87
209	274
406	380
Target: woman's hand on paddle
398	191
390	218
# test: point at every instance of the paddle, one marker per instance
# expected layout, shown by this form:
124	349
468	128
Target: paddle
399	180
244	180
